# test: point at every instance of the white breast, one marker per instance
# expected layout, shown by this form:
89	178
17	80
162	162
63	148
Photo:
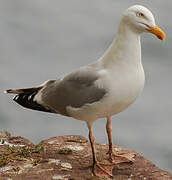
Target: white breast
126	87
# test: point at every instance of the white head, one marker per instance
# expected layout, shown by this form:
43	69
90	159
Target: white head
140	19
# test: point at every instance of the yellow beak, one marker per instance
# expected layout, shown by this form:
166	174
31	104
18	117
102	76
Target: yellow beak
159	33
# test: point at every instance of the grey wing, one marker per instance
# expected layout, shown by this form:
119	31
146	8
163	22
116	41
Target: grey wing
75	90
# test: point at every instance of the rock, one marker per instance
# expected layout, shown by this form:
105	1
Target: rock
67	158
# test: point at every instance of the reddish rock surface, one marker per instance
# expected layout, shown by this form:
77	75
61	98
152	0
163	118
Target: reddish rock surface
67	158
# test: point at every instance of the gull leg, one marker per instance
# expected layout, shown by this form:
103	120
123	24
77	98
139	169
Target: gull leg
109	133
111	152
104	172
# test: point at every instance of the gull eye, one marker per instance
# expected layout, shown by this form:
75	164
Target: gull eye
139	14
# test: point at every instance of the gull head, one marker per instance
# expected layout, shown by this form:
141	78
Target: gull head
140	19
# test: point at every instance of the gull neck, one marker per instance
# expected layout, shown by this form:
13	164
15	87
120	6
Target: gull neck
125	48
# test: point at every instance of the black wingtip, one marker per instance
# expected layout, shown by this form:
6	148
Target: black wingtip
27	101
25	97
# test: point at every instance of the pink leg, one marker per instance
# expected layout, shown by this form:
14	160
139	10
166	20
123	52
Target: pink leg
95	162
111	152
109	133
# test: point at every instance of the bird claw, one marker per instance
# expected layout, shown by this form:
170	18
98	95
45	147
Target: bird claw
120	158
103	169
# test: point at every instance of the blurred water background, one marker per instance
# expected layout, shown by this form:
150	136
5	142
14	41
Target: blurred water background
41	39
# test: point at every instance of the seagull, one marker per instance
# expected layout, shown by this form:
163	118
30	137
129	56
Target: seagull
102	88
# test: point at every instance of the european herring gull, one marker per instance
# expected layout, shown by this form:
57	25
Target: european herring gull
103	88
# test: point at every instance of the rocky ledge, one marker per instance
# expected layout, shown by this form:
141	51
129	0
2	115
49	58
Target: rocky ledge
67	158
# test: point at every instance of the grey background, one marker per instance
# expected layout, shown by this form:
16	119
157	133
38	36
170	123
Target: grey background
42	39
